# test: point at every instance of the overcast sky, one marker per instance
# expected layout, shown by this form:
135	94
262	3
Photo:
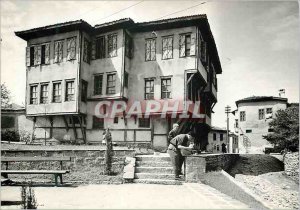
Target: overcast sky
257	41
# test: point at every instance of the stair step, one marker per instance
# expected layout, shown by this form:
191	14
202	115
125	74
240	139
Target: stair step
153	158
154	176
155	170
153	164
157	181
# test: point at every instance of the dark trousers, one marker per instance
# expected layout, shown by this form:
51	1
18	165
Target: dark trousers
177	161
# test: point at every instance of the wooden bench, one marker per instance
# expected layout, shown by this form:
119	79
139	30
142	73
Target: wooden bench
56	173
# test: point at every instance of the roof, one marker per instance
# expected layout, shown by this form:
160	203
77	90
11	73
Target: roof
215	128
199	20
260	98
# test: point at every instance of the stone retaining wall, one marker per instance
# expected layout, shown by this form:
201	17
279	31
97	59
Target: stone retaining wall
291	165
86	166
197	165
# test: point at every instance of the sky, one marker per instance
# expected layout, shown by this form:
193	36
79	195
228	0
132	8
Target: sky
257	41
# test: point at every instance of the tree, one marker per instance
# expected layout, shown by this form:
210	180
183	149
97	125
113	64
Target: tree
286	129
5	96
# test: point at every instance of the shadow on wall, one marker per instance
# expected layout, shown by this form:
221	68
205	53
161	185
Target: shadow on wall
256	164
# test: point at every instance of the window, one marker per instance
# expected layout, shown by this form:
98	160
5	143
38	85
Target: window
236	124
249	131
144	122
98	122
100	47
56	92
218	148
45	59
111	84
84	86
31	56
149	89
214	136
167	47
86	51
44	93
71	48
221	137
242	116
58	51
116	120
261	114
166	88
128	46
33	94
112	45
70	90
98	84
150	50
37	55
185	45
269	110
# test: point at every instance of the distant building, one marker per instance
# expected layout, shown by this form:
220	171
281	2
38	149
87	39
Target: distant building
71	67
253	115
217	136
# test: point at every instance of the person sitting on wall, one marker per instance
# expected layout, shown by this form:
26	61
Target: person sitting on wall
181	141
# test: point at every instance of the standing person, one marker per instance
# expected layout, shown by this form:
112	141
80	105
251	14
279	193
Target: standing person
173	132
108	152
179	142
224	150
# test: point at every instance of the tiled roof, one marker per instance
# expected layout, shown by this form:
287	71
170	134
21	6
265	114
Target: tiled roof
215	128
170	20
260	98
13	107
114	22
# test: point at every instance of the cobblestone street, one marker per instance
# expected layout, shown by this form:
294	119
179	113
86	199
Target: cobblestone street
128	196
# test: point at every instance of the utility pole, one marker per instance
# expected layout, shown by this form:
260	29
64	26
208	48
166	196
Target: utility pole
227	111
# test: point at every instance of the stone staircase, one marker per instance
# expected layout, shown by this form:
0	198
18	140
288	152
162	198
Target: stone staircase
154	169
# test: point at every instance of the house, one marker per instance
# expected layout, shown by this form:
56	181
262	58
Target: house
217	136
77	76
253	116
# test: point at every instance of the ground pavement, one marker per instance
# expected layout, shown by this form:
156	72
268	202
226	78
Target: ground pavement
128	196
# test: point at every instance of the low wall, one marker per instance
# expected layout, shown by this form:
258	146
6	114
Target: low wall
86	166
291	165
197	165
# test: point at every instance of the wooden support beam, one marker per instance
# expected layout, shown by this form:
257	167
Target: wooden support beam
66	123
74	129
82	129
51	126
33	129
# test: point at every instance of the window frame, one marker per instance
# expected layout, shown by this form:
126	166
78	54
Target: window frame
33	100
221	137
114	46
114	82
162	47
59	91
185	45
57	51
98	123
242	119
267	109
86	51
261	114
150	57
84	90
67	94
42	97
214	137
145	88
161	83
100	87
69	48
100	48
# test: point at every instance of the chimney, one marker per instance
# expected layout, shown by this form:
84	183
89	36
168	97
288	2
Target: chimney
282	93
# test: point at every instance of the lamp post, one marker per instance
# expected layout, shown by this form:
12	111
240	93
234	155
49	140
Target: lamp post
227	111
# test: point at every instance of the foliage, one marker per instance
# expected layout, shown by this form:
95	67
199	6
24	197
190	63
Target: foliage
16	136
286	129
5	96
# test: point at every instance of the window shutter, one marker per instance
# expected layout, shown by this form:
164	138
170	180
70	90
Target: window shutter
203	51
38	58
47	53
55	52
60	51
193	44
181	46
69	41
93	56
73	48
27	56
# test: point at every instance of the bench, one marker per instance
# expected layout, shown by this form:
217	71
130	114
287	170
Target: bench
56	173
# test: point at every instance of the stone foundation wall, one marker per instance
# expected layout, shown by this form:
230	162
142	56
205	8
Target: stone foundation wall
291	165
86	166
197	165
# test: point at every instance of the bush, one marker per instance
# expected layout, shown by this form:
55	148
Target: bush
16	136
